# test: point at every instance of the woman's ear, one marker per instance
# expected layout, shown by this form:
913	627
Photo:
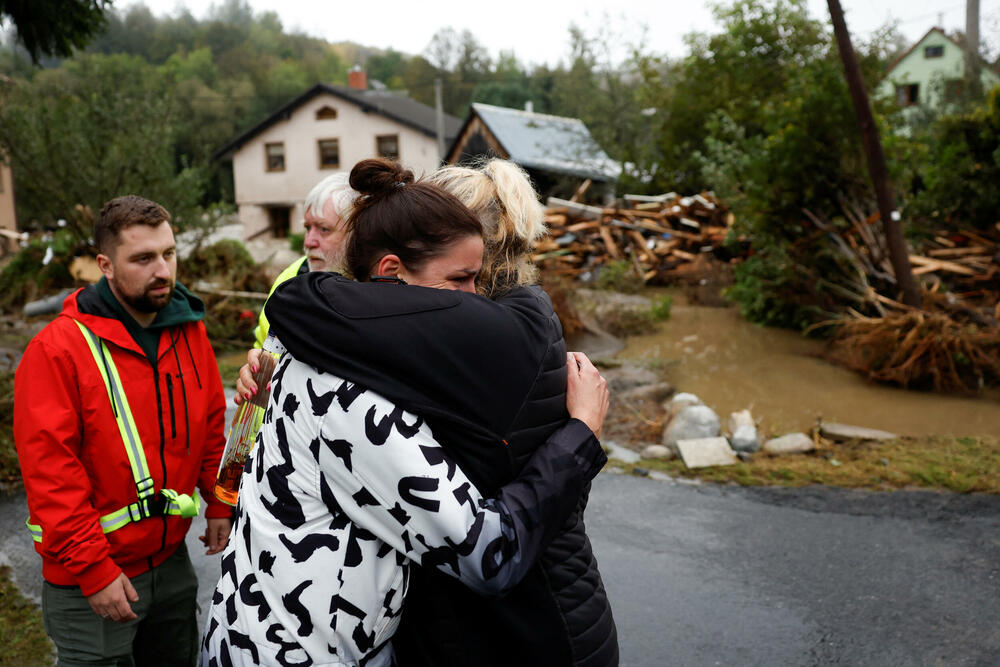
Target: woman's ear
389	265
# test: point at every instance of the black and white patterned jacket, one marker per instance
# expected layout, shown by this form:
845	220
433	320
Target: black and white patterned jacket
343	492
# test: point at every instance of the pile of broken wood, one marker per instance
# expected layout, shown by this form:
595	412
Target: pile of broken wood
965	264
666	238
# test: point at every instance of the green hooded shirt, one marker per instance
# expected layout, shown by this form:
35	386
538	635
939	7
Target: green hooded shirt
183	307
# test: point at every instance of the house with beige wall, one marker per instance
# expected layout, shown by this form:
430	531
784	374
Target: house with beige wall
8	217
324	130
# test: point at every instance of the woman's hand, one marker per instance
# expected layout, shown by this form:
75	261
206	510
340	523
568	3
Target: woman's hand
587	397
245	386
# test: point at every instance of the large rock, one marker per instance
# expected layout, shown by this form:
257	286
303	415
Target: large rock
743	432
704	452
691	422
842	432
792	443
682	400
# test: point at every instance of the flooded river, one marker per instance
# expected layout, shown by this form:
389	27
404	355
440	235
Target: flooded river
732	364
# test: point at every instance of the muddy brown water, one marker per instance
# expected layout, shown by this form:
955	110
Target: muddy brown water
732	364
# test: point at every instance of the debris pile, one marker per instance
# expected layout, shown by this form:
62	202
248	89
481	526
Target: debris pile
665	238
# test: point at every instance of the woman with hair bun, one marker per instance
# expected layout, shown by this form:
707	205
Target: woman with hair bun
347	488
491	377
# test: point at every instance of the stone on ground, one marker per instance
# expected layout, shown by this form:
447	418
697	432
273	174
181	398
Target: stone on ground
791	443
703	452
743	432
623	454
841	432
692	422
657	452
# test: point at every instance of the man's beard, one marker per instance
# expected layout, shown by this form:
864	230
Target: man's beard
147	303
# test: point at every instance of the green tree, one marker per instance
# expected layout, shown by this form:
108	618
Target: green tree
54	27
95	128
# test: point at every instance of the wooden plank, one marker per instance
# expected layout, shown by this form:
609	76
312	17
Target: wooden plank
577	209
683	255
580	191
940	265
609	243
958	252
640	245
583	226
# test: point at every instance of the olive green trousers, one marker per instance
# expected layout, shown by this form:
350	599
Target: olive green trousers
166	632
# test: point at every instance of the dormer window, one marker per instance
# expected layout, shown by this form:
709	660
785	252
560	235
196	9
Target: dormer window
934	51
326	113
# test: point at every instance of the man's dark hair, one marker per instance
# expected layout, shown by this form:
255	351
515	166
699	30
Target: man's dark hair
123	212
414	220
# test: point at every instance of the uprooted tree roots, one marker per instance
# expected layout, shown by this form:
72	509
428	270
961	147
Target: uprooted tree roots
922	350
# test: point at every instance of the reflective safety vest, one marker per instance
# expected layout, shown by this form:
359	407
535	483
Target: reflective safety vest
149	503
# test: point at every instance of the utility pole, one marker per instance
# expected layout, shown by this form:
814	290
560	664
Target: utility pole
898	254
439	117
973	82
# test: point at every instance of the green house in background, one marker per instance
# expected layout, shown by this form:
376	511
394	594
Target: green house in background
930	73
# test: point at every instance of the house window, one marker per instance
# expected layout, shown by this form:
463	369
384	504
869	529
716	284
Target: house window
326	113
387	145
907	94
329	153
275	154
934	51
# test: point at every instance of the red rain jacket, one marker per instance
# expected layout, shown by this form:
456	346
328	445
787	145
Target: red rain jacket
73	461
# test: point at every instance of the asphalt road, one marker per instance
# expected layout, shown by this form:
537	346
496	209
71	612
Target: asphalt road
708	575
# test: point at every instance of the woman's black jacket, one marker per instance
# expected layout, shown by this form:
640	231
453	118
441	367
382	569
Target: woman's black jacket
490	377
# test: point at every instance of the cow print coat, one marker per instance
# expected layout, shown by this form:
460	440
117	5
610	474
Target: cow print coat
343	493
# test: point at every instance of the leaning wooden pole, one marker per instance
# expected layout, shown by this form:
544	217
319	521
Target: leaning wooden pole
898	253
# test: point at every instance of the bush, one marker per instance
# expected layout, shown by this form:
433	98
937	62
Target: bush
27	276
960	185
661	308
619	276
297	242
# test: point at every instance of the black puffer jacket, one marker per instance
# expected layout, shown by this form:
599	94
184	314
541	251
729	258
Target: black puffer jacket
491	379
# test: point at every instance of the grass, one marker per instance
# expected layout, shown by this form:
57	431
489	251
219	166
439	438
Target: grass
961	465
23	641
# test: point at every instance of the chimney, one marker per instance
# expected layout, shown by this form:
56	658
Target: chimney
529	106
357	79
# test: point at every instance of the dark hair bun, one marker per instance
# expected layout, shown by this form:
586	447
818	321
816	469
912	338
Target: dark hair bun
378	176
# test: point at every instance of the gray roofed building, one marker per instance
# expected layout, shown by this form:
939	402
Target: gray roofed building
555	145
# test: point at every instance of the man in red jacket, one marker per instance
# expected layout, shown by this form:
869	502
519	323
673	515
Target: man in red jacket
119	415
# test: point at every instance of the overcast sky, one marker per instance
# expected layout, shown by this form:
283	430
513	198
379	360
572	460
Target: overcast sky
537	30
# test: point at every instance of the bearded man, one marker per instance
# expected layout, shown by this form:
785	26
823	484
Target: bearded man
119	414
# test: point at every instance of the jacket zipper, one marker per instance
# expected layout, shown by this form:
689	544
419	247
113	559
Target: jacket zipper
170	400
163	459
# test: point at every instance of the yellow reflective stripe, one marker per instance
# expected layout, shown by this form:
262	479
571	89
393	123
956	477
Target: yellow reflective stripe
36	531
181	503
126	424
116	519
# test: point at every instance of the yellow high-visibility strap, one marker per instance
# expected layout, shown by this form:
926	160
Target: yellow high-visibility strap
178	504
126	425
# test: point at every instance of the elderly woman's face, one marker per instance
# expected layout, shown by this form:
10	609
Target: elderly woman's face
456	268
